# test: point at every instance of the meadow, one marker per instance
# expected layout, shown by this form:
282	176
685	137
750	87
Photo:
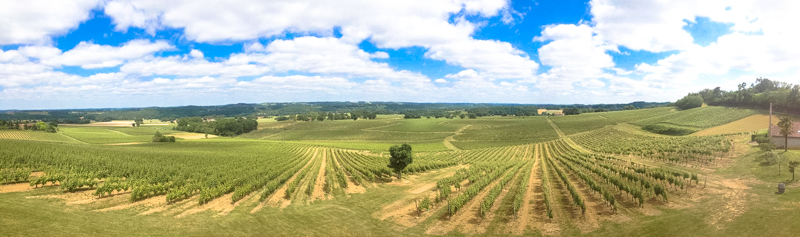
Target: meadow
596	174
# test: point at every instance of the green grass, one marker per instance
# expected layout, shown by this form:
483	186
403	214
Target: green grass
424	125
108	135
700	118
573	124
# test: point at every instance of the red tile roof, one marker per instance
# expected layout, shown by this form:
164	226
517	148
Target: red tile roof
775	131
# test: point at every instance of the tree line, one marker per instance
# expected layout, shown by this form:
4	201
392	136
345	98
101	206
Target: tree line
220	126
784	96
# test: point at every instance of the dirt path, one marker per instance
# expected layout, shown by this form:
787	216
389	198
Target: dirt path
16	187
448	141
469	214
525	216
219	204
319	184
276	198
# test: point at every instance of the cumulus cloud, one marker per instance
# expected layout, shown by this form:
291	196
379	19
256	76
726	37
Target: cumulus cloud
575	54
35	21
388	24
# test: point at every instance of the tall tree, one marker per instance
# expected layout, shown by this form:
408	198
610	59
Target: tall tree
401	157
786	126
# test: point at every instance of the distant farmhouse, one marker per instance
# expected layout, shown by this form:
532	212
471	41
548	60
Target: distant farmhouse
794	138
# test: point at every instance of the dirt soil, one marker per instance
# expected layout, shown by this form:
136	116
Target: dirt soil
319	184
191	136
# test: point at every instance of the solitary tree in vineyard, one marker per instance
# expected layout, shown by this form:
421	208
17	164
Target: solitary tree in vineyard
400	158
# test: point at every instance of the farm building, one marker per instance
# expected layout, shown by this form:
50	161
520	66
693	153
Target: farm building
794	138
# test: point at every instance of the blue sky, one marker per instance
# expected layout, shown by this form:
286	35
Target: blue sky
132	53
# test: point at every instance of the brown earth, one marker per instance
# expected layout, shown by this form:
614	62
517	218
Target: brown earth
319	184
191	136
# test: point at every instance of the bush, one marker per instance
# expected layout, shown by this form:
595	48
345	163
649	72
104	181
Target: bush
689	102
161	138
668	130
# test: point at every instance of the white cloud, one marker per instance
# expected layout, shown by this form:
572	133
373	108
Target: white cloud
34	21
89	55
196	53
575	54
650	25
388	24
440	80
491	58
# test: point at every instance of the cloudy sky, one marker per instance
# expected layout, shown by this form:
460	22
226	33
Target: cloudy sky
132	53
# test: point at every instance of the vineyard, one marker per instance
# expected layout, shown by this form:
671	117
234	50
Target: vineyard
695	150
531	181
35	136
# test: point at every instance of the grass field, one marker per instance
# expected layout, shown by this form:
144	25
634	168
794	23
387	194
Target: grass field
331	178
754	123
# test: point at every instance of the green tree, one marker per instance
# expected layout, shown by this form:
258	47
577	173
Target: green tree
792	165
462	116
401	157
689	102
786	126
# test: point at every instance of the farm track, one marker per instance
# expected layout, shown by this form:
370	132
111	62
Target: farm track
448	141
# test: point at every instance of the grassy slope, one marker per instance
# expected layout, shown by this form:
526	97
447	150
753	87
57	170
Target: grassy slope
750	124
699	118
591	121
110	135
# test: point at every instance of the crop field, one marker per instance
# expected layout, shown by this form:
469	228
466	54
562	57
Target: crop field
591	121
751	124
505	131
694	120
595	174
112	135
35	136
